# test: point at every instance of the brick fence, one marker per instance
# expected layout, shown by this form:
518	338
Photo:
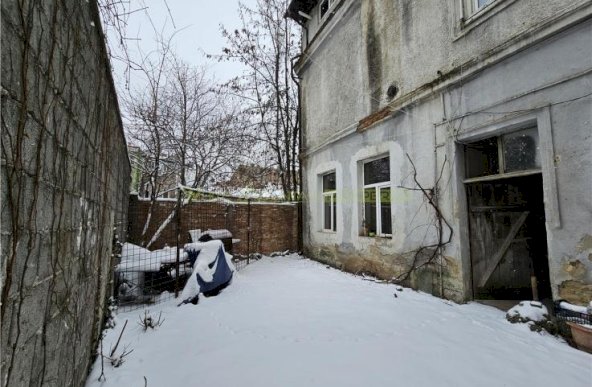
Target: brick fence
274	226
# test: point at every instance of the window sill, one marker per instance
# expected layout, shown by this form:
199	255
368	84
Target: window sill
475	19
376	236
330	232
500	176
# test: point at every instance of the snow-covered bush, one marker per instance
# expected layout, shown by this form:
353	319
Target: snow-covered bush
533	313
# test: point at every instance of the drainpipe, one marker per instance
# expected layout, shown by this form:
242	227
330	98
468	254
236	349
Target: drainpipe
437	191
300	136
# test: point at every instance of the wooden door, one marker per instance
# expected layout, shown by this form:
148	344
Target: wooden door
507	237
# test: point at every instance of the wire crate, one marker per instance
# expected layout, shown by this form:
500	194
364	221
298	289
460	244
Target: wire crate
564	314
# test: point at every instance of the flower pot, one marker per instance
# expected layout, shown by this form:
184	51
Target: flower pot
582	336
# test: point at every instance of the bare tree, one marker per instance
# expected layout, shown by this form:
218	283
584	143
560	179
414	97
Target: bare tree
266	44
186	131
149	119
207	137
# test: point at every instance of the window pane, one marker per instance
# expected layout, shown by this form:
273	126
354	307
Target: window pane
327	212
329	182
334	212
481	158
482	3
324	7
521	150
377	171
370	210
385	210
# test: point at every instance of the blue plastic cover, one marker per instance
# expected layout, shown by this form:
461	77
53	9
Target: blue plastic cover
222	275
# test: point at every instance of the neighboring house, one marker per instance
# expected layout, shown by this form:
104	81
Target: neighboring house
252	181
253	176
165	184
136	160
489	103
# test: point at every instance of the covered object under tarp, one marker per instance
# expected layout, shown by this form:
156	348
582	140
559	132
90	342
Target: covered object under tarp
212	269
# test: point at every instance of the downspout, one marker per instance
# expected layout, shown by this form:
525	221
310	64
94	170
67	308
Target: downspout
300	136
437	191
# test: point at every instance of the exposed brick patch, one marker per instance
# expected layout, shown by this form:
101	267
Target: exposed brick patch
373	118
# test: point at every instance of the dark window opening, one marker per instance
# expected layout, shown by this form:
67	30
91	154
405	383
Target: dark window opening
324	7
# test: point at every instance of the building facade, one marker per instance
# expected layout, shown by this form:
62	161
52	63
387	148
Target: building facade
447	144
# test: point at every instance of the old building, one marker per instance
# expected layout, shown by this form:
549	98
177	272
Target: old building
448	143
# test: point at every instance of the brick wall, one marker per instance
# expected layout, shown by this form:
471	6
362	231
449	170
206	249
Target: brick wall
274	226
64	189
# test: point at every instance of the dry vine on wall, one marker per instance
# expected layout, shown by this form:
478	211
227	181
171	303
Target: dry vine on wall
64	169
426	255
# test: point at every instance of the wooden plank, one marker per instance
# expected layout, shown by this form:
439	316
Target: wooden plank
509	209
500	176
503	248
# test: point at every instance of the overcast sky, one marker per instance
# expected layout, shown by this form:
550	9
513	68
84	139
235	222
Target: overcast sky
197	26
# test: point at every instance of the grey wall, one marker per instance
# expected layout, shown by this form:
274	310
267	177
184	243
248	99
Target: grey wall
64	185
519	63
370	44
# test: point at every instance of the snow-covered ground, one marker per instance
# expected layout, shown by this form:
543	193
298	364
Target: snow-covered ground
288	321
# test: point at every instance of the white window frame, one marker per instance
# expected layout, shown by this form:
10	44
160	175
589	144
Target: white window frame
477	8
502	173
332	195
377	187
470	9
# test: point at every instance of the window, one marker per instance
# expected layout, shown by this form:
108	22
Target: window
377	198
324	7
509	153
329	202
481	3
471	7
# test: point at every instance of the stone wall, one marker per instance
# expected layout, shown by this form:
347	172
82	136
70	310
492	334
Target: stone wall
64	185
274	226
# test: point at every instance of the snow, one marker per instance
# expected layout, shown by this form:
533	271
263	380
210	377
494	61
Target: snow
169	255
574	308
288	321
208	251
136	258
531	310
216	234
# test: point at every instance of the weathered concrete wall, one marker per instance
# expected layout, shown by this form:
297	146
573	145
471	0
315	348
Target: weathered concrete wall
414	44
64	185
522	63
333	98
547	86
274	226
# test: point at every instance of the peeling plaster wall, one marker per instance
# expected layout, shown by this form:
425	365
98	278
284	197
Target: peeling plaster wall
336	101
520	63
410	42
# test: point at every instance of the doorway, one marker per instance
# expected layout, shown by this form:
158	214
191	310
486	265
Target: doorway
508	240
